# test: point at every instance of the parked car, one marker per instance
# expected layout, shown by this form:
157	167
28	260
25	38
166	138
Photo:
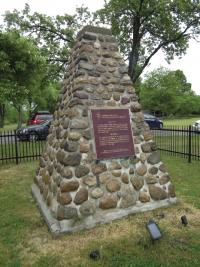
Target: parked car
39	117
196	126
34	132
154	122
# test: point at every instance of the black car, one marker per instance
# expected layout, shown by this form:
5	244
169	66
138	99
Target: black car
154	122
39	117
34	132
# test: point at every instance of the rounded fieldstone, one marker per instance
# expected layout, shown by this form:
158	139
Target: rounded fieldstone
143	157
153	170
162	168
50	169
164	179
125	100
144	197
97	193
66	212
66	173
60	155
153	146
135	107
70	146
116	173
42	162
74	136
86	134
90	180
78	124
81	171
113	185
45	192
87	208
134	160
57	179
116	96
151	179
81	95
137	182
84	147
85	112
124	163
147	136
139	117
46	177
81	196
128	198
108	202
64	198
154	158
114	165
141	170
104	178
49	199
125	178
99	168
67	186
157	193
131	171
146	148
171	191
65	123
72	112
72	159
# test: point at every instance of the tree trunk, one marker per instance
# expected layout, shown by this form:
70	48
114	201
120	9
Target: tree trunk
19	109
2	115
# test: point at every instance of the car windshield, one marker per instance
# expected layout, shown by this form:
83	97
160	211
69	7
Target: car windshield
148	116
44	117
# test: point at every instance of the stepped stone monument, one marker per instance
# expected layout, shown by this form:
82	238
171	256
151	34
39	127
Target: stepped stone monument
100	162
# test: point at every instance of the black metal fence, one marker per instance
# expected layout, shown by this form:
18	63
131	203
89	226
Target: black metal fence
173	140
12	149
178	141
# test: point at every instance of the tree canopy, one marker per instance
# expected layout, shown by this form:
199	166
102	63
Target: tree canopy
168	92
22	68
53	35
143	27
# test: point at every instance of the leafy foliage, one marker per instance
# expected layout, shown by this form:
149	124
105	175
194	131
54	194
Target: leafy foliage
21	67
168	92
53	35
145	27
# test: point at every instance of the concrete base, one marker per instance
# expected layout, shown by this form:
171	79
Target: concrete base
66	226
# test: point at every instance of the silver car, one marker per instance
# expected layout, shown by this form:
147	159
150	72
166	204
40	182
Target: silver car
196	126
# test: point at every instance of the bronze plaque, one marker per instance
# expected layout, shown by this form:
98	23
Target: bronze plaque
112	133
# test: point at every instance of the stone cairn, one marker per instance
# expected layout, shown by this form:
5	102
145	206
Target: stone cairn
65	187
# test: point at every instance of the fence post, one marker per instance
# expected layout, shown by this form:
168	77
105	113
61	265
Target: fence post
189	144
16	148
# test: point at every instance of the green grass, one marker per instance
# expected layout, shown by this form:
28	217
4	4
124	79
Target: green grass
186	178
25	240
9	127
180	121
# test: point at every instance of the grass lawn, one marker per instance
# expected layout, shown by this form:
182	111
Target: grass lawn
9	127
180	121
25	240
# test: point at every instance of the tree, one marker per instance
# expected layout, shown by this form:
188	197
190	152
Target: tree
143	27
53	35
165	91
22	69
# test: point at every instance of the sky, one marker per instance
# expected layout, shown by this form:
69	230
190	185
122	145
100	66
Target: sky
189	63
